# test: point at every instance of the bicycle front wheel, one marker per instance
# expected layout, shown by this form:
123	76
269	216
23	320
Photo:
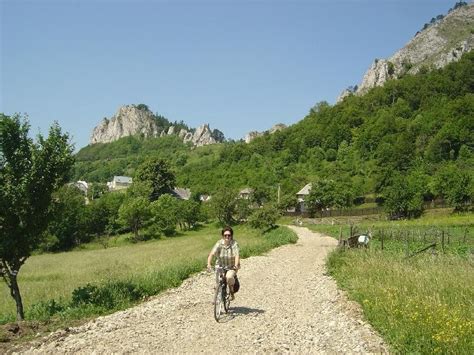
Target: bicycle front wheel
226	298
218	303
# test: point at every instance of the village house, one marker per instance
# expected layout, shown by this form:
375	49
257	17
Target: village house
182	194
246	193
204	198
81	185
301	196
119	183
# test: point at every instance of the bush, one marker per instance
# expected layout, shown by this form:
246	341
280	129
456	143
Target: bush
45	309
108	296
264	218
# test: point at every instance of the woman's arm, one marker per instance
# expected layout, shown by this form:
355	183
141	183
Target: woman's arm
209	259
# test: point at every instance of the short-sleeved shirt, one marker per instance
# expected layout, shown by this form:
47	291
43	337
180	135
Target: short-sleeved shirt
225	254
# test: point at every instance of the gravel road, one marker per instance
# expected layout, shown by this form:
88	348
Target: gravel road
286	304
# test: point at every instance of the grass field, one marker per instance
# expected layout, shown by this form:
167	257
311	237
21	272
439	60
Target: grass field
423	303
95	280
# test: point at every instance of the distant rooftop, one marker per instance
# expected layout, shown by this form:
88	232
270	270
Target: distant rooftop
123	179
184	194
305	190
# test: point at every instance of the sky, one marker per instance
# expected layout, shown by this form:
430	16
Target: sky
239	66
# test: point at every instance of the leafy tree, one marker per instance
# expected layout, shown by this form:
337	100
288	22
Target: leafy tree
142	107
223	205
217	135
189	213
242	209
67	225
165	212
29	174
260	194
404	196
287	201
96	190
265	217
157	172
321	196
102	214
135	213
456	186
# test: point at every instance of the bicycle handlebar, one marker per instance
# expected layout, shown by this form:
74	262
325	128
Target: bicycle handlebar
222	268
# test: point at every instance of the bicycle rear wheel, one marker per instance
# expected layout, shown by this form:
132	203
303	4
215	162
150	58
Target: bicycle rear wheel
218	303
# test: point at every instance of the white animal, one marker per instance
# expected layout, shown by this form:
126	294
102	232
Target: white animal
363	239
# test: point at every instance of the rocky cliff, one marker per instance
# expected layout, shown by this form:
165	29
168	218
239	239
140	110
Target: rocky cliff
254	134
131	120
440	43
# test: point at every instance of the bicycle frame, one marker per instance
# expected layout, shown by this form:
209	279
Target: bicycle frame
222	296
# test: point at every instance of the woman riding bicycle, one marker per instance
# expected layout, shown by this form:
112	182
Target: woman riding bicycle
226	251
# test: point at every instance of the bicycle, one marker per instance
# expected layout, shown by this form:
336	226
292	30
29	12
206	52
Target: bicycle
222	295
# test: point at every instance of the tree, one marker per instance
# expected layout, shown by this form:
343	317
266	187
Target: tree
242	209
456	186
189	213
404	196
142	107
265	217
102	214
287	201
321	195
157	172
223	205
96	190
66	229
217	135
29	174
165	214
135	213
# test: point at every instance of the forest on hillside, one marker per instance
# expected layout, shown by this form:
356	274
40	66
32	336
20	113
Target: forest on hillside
415	132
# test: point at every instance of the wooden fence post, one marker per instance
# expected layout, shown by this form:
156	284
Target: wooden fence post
442	240
407	247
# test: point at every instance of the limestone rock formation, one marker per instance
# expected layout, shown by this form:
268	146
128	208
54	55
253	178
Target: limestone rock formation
251	136
129	120
203	136
254	134
434	47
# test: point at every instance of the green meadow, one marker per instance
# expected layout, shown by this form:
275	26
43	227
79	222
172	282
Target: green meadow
419	303
96	280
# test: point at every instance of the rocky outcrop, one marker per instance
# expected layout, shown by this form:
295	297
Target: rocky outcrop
434	47
203	136
254	134
130	120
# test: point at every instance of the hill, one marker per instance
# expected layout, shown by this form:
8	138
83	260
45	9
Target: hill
419	124
441	41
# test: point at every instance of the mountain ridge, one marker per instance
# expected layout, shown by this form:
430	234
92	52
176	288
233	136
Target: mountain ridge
139	120
438	44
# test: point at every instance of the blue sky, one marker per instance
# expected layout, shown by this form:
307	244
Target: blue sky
237	65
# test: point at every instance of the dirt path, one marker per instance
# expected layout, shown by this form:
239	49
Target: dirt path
286	304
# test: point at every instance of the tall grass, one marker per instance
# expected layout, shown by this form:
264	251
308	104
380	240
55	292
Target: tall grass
95	281
421	304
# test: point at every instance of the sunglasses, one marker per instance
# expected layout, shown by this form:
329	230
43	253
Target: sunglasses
227	235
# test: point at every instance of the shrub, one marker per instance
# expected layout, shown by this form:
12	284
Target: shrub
264	218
